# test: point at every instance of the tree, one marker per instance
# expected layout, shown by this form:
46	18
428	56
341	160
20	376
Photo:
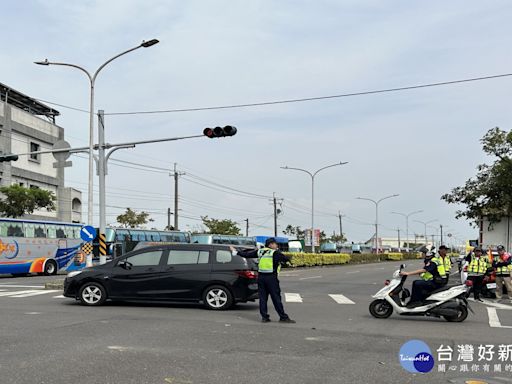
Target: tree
295	232
19	201
488	193
221	227
338	238
132	219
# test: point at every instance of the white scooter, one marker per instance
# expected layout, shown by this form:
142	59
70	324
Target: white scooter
448	302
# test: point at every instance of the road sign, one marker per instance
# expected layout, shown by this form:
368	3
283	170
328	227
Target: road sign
87	233
87	248
61	157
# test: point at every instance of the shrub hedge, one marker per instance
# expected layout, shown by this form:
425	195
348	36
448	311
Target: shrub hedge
318	259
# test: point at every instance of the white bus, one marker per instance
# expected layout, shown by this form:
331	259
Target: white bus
42	247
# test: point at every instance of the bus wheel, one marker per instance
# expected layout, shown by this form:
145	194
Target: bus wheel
50	268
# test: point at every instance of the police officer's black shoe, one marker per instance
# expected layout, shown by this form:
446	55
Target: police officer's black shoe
478	299
265	320
287	320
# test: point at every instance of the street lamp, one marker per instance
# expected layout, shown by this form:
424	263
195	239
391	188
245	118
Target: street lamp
425	224
377	216
406	215
312	175
92	80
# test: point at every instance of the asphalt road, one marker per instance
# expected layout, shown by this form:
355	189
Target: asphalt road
49	339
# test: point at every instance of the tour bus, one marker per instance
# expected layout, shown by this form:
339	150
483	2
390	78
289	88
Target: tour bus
205	238
42	247
122	240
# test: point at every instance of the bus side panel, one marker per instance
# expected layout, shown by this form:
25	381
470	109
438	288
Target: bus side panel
14	267
37	265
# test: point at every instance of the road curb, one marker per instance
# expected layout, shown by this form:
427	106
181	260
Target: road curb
59	284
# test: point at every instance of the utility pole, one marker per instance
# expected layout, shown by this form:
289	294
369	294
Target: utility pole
399	246
169	218
247	227
341	224
275	214
441	234
176	175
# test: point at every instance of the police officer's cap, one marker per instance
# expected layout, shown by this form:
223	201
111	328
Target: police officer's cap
500	248
477	249
423	249
269	241
444	247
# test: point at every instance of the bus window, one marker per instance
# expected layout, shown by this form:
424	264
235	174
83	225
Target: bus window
138	236
39	230
69	232
60	232
52	231
110	235
76	232
3	228
154	236
15	230
121	234
29	230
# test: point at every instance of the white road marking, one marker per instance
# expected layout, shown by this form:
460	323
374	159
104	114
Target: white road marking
59	297
494	305
348	273
31	293
311	277
22	286
340	299
32	313
9	293
494	321
292	298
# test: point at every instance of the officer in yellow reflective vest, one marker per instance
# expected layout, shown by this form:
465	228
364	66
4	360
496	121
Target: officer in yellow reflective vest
446	261
430	278
477	267
270	259
503	268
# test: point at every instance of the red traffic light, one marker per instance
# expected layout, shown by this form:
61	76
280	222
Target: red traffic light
228	130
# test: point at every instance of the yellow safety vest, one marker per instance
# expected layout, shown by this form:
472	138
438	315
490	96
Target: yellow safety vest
478	265
266	260
447	264
427	276
505	270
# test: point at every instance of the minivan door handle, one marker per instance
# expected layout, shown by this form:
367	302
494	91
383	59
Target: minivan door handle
169	268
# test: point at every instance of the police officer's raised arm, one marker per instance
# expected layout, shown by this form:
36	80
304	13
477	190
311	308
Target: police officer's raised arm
248	253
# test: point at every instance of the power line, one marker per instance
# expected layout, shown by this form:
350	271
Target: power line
298	100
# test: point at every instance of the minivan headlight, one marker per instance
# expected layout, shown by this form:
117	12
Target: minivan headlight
74	273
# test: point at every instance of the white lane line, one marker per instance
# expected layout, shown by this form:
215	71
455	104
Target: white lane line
340	299
292	298
494	305
9	293
348	273
22	286
311	277
494	321
32	293
59	297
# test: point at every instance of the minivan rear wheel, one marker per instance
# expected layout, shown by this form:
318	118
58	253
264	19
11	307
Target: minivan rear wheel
218	298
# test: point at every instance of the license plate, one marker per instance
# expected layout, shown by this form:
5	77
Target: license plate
491	286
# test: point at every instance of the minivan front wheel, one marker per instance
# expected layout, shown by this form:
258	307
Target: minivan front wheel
92	294
217	297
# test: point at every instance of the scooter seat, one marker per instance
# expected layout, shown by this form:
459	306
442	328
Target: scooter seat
444	288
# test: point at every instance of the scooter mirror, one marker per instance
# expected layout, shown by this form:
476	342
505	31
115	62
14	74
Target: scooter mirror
402	266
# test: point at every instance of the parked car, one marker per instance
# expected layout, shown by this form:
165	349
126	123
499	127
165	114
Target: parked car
328	247
201	273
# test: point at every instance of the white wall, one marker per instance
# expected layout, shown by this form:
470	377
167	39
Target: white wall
21	144
32	121
499	234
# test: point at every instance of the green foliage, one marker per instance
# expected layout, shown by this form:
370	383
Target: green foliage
295	232
338	238
488	193
19	201
221	227
394	256
132	219
313	259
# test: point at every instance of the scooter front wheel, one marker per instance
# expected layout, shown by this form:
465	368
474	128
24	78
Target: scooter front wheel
380	309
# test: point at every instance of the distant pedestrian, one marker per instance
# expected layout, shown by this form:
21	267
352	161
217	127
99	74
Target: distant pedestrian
503	269
270	259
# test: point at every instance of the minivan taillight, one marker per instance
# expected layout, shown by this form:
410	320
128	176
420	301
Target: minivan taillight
248	274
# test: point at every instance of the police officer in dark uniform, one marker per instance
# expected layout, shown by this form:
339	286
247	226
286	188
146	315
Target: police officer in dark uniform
430	279
270	259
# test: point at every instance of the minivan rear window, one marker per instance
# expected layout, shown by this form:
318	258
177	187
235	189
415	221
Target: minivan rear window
223	257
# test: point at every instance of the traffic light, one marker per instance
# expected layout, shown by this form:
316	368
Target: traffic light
8	157
228	130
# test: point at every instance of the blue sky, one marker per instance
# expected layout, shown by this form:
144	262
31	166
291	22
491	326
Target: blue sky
418	143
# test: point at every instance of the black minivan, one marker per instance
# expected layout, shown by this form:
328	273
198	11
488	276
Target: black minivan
207	274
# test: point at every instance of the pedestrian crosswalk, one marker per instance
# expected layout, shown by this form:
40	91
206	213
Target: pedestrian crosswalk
19	294
297	298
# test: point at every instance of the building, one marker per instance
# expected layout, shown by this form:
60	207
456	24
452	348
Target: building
26	125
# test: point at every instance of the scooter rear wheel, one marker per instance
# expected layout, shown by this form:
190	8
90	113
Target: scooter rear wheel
462	313
380	309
